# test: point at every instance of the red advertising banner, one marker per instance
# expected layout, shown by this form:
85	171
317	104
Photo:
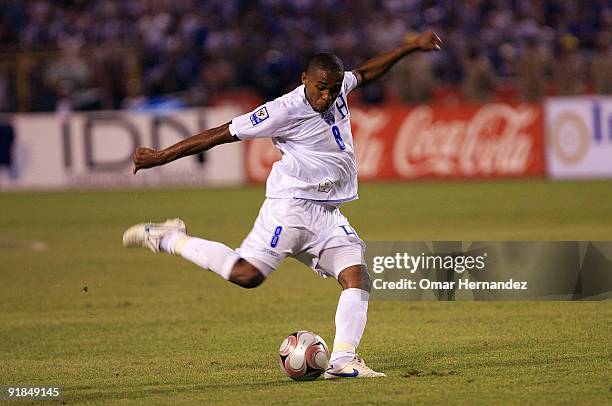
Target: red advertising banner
487	141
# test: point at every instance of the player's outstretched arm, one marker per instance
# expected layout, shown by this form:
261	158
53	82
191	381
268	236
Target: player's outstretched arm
379	65
148	157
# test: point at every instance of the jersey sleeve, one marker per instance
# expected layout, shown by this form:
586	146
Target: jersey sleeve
266	121
350	82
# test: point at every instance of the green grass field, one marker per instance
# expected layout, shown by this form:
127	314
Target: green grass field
112	325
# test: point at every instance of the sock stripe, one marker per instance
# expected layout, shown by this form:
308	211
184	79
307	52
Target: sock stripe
344	347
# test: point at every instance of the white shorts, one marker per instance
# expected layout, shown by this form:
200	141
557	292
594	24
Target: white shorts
314	233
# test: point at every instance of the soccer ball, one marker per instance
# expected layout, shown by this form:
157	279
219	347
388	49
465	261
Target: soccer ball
303	356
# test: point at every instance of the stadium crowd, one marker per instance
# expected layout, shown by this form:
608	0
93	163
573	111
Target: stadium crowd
104	54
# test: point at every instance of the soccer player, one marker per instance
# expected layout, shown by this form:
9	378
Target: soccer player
300	216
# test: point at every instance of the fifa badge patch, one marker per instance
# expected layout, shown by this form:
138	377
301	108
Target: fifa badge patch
325	185
259	116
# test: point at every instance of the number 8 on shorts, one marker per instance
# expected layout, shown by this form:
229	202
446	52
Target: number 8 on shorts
275	237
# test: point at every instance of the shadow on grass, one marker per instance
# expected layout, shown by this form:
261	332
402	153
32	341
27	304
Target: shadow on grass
126	391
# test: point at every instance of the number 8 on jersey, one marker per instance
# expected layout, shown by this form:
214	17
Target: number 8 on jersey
338	137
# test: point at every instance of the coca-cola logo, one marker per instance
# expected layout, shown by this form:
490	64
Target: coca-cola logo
396	142
493	142
369	148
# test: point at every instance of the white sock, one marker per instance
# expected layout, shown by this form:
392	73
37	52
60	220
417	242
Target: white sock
211	255
351	317
169	240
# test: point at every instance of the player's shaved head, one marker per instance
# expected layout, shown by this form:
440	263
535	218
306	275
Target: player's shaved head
326	62
323	80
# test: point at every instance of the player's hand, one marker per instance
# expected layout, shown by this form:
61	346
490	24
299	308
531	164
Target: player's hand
428	41
145	158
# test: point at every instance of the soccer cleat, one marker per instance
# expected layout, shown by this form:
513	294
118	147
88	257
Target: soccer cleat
149	235
356	368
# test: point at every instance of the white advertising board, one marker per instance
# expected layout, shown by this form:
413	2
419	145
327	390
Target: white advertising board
579	137
93	150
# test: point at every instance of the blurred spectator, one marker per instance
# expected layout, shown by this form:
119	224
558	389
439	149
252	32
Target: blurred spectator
479	77
4	88
275	73
569	68
533	71
601	65
70	68
70	77
374	93
43	97
414	78
134	99
109	75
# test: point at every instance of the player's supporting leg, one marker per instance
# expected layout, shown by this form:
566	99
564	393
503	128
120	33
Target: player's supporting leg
171	237
351	313
351	317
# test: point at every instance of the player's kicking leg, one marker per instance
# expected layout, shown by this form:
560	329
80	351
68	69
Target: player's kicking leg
171	237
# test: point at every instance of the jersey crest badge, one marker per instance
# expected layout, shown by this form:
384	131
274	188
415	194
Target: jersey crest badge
325	185
259	116
328	116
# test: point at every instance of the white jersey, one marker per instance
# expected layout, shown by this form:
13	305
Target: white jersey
318	159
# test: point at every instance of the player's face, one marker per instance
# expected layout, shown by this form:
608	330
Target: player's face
322	88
